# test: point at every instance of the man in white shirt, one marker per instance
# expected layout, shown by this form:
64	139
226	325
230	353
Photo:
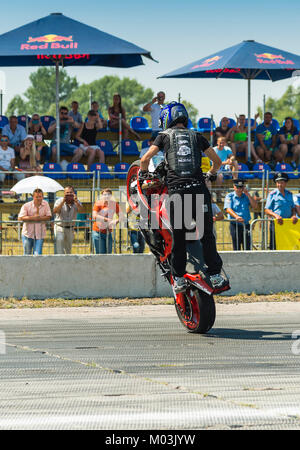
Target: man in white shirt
7	162
154	107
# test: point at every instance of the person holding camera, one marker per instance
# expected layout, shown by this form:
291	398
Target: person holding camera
65	210
237	205
154	107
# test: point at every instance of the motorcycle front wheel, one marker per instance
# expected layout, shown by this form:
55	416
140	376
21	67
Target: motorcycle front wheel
196	310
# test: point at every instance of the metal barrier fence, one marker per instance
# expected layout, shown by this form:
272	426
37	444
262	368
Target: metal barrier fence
230	235
267	234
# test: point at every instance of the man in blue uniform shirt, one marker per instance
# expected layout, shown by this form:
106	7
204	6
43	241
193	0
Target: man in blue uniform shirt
280	205
237	205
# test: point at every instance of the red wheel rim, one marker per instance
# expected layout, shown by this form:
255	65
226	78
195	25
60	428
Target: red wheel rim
191	321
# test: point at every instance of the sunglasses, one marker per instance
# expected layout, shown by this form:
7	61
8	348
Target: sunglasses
4	140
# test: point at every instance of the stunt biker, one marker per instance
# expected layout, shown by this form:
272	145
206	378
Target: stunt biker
183	149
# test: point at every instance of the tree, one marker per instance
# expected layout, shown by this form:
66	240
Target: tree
192	111
134	95
41	95
17	106
287	105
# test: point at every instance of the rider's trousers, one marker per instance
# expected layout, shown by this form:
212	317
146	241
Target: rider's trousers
177	207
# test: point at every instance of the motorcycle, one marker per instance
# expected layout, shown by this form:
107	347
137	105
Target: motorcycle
195	307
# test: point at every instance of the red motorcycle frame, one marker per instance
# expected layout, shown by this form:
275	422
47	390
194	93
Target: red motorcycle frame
195	307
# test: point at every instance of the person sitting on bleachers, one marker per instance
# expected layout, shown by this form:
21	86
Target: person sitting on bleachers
102	121
16	133
36	129
222	131
87	135
289	141
7	162
113	114
74	113
67	124
229	163
266	141
30	156
239	138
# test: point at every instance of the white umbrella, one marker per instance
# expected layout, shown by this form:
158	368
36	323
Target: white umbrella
28	185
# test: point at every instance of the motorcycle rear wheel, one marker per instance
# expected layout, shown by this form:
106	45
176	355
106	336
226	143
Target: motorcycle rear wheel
196	310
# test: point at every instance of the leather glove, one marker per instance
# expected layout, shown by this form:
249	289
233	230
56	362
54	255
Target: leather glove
143	176
211	176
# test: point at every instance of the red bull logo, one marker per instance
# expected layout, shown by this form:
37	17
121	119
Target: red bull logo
269	58
208	62
52	41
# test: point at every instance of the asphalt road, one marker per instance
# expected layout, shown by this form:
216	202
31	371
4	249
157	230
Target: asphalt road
136	367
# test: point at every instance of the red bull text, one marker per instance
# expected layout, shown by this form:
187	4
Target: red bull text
269	58
51	41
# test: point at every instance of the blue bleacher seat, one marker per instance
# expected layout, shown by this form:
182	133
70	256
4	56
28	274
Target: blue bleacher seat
129	147
203	124
3	121
46	120
231	123
145	143
252	123
121	167
106	146
102	170
285	167
259	168
75	171
276	124
22	120
138	123
243	168
49	170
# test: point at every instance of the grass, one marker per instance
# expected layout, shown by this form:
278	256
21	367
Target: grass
13	303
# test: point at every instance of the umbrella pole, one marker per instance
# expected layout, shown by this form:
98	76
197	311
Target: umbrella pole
57	114
249	119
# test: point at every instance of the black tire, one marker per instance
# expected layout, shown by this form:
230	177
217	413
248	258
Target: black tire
203	314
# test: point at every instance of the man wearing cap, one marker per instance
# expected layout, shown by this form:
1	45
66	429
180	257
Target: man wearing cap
280	205
237	205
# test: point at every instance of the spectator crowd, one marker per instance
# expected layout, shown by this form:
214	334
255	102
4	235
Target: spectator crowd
23	151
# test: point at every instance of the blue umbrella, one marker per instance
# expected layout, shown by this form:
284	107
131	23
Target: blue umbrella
249	60
57	39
